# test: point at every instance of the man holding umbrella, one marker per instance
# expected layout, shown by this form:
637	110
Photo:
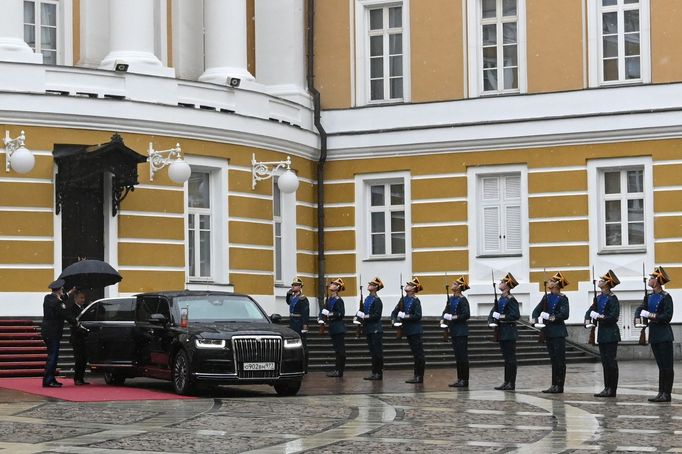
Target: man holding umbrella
54	314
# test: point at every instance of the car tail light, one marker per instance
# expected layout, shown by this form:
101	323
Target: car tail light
184	317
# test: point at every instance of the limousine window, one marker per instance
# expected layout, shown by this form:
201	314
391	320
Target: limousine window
113	310
152	305
226	308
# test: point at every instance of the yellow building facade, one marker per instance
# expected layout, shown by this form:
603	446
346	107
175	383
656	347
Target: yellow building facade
451	137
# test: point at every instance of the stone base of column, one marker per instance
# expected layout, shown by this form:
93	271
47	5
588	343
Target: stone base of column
292	93
16	50
219	75
138	63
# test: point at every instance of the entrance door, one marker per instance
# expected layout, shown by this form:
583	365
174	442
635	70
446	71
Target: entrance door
83	223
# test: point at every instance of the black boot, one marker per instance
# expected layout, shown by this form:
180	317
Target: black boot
463	381
666	377
459	376
560	379
551	389
335	374
660	388
613	385
506	379
511	386
605	391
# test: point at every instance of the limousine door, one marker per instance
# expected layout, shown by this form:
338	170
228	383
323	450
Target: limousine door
110	340
154	337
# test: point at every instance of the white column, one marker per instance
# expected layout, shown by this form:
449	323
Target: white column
94	28
131	38
225	38
12	44
280	48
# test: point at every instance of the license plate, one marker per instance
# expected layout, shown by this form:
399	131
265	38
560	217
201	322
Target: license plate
259	366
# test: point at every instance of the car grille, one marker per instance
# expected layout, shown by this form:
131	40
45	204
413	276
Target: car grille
257	349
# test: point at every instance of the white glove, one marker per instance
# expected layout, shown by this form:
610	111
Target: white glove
595	315
320	321
544	315
304	330
496	315
447	316
325	312
401	314
360	314
645	314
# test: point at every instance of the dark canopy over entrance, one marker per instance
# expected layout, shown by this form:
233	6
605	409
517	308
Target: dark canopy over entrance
80	165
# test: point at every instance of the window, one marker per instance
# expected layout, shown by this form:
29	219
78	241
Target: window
500	214
626	323
622	208
41	28
386	219
621	51
499	42
199	226
277	229
382	49
385	53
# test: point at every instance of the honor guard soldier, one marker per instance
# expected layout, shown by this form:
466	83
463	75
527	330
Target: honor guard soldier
52	328
504	314
409	312
605	314
299	312
456	314
659	311
552	312
371	320
333	312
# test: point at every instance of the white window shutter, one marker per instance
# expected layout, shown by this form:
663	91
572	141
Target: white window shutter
512	187
491	229
513	228
491	189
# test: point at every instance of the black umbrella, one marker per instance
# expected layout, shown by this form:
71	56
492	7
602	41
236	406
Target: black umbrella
90	273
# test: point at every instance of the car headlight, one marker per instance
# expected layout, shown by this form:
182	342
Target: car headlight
293	343
210	343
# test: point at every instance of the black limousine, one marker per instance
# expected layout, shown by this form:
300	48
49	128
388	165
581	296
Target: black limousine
192	337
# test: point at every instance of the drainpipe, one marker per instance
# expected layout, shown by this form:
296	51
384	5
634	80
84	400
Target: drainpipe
310	77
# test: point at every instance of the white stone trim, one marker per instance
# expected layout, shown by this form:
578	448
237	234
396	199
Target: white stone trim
151	268
152	214
539	195
560	244
443	200
560	219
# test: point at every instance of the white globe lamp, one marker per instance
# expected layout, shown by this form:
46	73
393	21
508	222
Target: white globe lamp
287	182
179	171
22	160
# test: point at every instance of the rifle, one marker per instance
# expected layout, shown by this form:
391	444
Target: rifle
541	336
496	334
322	321
446	329
591	338
361	308
644	322
401	308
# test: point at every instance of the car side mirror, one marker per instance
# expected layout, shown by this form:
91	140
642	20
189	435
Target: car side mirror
276	318
158	319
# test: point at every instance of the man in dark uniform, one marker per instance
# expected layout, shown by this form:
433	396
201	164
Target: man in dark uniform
504	316
299	311
553	311
456	314
77	339
659	311
371	319
52	328
605	312
411	316
333	312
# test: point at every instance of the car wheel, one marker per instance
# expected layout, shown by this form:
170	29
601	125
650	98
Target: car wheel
114	378
182	378
289	388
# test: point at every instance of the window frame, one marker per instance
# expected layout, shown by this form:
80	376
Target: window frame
502	205
362	52
595	44
475	51
64	29
197	213
217	170
622	196
387	210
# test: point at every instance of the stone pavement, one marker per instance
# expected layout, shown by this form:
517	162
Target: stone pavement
352	415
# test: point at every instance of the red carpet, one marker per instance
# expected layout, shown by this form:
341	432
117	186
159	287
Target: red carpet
94	392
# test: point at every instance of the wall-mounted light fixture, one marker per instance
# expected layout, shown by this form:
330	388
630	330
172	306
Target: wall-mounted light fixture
178	170
287	181
18	156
